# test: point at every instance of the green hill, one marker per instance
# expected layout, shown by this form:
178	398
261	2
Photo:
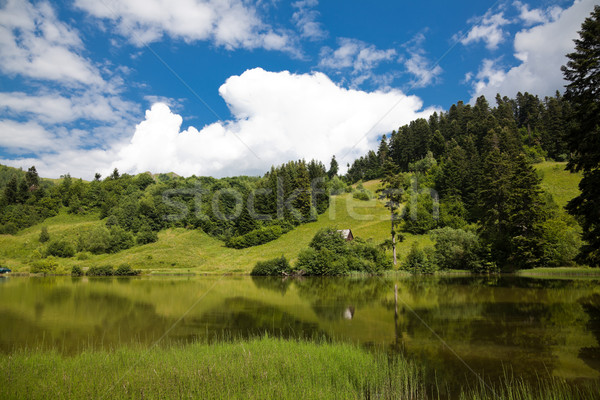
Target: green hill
181	251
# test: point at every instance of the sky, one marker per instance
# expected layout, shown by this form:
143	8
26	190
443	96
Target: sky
231	87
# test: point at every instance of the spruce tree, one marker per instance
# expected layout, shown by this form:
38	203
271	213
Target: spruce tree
583	91
333	168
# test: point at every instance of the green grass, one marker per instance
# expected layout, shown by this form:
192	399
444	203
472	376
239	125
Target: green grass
561	271
562	184
264	368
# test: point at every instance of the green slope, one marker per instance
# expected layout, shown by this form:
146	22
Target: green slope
180	250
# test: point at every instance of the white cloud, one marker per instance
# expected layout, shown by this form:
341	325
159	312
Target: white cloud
34	44
418	65
54	108
359	57
542	51
278	117
27	136
228	23
536	15
489	31
305	19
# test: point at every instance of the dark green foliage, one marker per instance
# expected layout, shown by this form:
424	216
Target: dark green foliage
126	270
120	239
276	266
321	262
76	271
456	249
330	254
333	168
255	238
60	248
418	261
146	235
421	213
100	270
583	92
44	235
330	239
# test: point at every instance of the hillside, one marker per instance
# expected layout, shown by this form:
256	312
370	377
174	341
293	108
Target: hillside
180	251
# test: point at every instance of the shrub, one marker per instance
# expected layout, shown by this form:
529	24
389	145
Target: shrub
456	249
126	270
44	235
276	266
48	265
120	239
420	217
60	248
97	270
337	186
418	261
329	239
366	257
362	195
255	237
321	262
76	271
146	235
9	228
83	256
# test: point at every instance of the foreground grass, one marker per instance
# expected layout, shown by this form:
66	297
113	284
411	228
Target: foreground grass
263	368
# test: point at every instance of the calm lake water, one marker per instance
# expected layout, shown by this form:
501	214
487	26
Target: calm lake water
453	325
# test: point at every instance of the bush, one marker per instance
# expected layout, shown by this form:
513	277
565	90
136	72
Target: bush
365	257
276	266
84	255
255	237
146	235
418	261
44	235
362	195
456	249
321	262
96	241
120	239
76	271
48	265
126	270
330	239
422	218
60	248
97	270
337	186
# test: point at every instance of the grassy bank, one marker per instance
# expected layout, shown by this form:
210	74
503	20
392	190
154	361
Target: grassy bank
561	272
260	368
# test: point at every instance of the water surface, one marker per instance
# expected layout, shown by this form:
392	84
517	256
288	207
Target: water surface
457	326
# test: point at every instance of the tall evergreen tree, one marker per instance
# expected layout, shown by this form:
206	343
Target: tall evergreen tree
333	168
583	73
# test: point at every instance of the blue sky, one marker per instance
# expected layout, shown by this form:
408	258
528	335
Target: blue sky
228	87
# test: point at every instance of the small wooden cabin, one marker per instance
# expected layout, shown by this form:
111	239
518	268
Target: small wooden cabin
346	234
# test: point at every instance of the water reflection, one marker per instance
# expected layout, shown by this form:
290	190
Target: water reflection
491	323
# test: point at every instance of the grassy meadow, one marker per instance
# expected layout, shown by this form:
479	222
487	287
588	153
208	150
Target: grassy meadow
264	368
192	251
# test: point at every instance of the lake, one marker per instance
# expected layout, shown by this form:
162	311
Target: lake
457	326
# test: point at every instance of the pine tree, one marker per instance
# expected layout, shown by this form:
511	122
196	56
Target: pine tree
32	178
302	202
333	168
583	91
